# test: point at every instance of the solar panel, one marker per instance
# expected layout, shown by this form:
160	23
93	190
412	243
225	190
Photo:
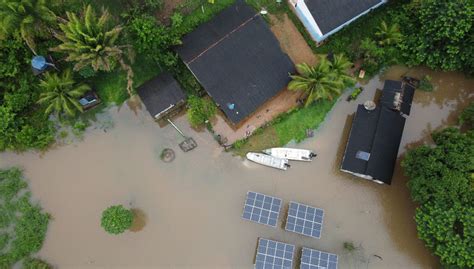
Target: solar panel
315	259
274	255
304	219
262	208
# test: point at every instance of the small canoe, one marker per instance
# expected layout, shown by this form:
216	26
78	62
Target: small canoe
291	154
268	160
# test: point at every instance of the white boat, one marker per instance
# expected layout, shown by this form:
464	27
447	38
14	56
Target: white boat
291	154
267	160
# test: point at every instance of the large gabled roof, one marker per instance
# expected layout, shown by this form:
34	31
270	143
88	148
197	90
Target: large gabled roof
237	60
161	93
330	14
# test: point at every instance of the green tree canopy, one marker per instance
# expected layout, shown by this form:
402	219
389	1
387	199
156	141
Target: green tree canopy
29	18
116	219
60	93
92	41
440	34
388	35
321	81
442	182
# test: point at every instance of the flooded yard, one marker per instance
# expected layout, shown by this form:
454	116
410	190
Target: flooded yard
190	209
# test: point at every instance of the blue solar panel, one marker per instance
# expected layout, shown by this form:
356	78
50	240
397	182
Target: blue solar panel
262	208
274	255
304	219
316	259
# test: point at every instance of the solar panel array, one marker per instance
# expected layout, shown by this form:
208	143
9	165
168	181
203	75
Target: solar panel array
274	255
304	219
262	208
315	259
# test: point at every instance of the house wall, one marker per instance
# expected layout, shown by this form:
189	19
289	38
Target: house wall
311	25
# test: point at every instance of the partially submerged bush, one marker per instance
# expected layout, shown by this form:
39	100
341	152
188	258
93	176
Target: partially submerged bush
116	219
467	116
425	84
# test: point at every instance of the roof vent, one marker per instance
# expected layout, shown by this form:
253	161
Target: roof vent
369	105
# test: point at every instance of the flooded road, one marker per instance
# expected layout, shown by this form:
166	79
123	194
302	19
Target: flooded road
190	209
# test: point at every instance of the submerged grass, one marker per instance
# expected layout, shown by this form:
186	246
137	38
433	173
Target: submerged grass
23	223
285	128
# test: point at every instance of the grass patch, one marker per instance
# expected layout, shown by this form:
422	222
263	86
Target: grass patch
285	128
112	86
24	229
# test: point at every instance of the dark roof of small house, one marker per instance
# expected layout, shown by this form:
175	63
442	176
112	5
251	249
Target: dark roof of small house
378	132
390	88
160	92
238	60
330	14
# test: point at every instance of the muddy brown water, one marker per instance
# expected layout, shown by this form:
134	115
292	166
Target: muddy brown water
190	209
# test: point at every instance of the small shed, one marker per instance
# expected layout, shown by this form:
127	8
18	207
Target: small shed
323	18
162	95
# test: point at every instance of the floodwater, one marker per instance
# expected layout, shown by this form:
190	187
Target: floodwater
190	209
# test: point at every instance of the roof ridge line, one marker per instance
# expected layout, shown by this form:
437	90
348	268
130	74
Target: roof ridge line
222	39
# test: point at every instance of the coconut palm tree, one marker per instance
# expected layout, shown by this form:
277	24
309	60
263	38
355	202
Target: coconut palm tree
340	65
60	93
91	41
388	35
29	18
318	82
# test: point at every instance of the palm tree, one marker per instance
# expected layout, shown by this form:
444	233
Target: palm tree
60	93
340	65
388	35
90	40
29	18
318	82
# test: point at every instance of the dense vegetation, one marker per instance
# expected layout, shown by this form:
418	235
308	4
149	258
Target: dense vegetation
116	219
442	183
98	40
435	33
23	224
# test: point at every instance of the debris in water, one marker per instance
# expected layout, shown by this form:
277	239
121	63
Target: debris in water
167	155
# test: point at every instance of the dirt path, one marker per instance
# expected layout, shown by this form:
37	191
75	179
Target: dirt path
291	41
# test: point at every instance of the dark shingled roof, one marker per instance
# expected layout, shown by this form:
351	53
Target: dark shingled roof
330	14
160	93
237	60
390	88
378	132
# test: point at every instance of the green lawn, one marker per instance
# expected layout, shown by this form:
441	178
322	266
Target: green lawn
285	128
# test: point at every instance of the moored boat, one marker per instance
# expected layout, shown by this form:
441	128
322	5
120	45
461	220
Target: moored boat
291	154
267	160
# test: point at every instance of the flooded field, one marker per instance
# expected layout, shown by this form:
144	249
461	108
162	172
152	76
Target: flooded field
189	210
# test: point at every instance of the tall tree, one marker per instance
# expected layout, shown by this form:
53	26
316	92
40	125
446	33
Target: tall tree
318	82
388	35
60	93
92	41
28	18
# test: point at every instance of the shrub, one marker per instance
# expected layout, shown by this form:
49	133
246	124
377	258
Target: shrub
425	84
200	110
35	263
116	219
467	116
